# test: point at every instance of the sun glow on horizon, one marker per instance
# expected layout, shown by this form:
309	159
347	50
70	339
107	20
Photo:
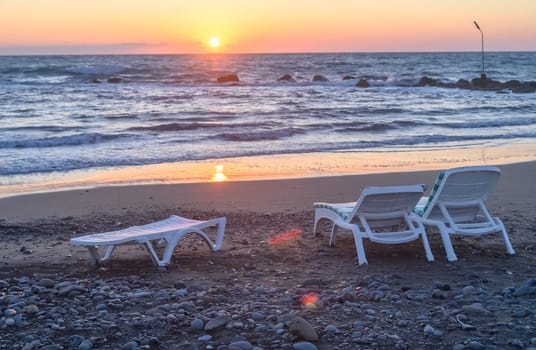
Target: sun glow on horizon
214	42
240	26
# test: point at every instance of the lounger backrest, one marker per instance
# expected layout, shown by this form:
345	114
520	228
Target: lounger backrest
388	201
462	185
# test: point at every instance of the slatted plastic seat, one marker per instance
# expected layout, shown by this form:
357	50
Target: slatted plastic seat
166	232
456	205
381	214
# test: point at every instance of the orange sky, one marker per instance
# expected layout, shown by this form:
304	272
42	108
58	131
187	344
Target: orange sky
183	26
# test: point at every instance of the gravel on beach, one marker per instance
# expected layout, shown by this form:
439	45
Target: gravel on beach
264	293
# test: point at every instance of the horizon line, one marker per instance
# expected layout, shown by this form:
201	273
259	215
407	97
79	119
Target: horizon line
259	53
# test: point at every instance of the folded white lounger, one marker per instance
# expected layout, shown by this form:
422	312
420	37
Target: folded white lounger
169	231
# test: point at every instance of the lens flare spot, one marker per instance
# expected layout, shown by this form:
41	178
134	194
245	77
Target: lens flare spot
310	300
285	236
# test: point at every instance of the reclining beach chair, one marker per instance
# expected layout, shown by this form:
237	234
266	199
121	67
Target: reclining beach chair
381	214
456	205
167	232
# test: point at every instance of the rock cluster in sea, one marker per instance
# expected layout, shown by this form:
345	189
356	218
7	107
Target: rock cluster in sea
365	312
482	83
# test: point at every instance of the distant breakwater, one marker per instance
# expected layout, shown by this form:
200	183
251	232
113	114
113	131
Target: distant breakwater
481	83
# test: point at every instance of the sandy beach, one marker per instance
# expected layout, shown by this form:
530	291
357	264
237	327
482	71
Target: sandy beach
255	287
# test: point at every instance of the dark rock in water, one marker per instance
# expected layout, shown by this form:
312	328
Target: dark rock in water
485	83
511	84
95	81
320	78
348	77
362	83
463	84
518	87
228	78
115	80
287	77
426	81
482	83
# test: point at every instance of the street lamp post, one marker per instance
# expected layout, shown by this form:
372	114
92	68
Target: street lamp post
483	74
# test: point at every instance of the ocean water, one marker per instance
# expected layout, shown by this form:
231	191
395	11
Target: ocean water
169	108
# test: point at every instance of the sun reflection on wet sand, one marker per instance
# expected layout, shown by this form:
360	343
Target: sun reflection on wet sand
219	176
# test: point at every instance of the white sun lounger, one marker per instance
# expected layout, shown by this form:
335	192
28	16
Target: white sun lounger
169	231
456	205
381	214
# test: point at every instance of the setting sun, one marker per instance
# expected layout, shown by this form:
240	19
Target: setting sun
214	42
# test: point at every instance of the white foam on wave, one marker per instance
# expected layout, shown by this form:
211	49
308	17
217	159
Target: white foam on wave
97	69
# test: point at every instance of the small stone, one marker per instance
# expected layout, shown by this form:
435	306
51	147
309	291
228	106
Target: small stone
438	294
524	290
9	322
468	291
205	338
197	324
304	345
303	329
217	322
10	312
46	282
429	330
518	343
257	316
86	344
331	329
474	345
131	345
26	250
475	308
441	285
52	347
31	309
240	345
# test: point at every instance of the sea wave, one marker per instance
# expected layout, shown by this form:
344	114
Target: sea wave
168	127
96	69
264	135
487	123
60	141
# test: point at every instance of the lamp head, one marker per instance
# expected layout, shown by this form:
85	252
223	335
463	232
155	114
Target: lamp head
476	25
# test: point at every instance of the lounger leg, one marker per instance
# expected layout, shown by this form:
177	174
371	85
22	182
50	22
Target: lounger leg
316	223
444	232
94	252
360	248
219	235
333	235
509	249
167	253
426	245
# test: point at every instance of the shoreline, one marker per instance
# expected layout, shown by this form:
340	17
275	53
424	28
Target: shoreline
262	196
269	167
